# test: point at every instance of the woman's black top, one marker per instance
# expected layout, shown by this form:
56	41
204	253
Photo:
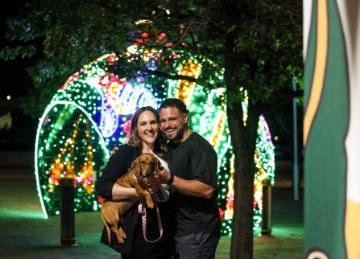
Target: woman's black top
135	245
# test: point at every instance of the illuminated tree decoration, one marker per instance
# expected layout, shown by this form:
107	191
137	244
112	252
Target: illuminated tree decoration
91	113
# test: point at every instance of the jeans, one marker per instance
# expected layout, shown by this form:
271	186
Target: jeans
196	246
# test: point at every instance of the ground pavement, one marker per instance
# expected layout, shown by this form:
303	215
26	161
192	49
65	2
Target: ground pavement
24	233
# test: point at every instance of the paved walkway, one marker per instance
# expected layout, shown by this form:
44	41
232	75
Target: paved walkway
25	234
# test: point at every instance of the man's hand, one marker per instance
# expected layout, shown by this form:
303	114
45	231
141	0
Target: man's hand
164	176
152	183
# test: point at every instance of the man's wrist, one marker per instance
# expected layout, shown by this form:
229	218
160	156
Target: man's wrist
171	179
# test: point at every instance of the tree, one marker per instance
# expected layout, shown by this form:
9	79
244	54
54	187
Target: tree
258	43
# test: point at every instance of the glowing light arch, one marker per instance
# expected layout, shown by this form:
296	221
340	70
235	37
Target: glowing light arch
108	97
40	184
95	92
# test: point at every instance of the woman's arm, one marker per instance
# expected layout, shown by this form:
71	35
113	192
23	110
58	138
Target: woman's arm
117	166
120	193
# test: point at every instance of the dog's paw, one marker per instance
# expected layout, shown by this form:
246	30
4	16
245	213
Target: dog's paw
150	204
121	240
122	233
121	236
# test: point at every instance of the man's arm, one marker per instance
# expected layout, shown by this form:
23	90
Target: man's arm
188	187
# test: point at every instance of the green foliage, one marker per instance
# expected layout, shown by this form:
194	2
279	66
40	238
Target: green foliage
9	53
257	42
61	36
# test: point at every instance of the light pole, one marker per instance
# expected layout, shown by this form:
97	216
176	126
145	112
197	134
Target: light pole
295	160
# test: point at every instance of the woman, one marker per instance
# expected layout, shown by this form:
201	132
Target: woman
144	138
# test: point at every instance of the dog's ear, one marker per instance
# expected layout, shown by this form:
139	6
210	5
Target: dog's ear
135	165
158	166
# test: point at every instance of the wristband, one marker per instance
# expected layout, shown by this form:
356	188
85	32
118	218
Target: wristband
171	180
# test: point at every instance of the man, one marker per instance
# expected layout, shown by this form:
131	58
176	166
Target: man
193	177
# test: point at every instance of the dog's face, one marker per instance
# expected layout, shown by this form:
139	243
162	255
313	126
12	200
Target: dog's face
146	166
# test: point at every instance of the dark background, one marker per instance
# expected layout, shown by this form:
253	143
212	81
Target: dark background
15	82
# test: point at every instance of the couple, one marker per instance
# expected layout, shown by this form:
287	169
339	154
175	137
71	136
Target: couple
191	217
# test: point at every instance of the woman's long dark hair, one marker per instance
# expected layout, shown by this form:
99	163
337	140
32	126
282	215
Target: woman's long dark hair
135	141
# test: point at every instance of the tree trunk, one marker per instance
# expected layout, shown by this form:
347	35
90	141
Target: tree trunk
243	142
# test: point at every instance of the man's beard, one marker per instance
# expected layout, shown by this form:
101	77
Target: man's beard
178	136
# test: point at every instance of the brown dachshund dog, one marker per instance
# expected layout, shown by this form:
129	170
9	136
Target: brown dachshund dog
143	169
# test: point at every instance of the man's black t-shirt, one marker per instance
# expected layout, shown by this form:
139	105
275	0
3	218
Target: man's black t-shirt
195	159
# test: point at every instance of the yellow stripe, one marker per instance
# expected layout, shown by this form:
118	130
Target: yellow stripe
352	229
320	64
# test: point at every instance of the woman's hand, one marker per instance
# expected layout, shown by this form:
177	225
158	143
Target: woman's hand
152	183
153	187
115	149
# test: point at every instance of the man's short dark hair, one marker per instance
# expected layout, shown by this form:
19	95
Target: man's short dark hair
174	102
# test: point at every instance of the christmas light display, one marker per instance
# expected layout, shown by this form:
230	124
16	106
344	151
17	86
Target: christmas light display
91	113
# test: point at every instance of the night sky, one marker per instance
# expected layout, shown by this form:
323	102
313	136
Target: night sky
14	79
15	82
